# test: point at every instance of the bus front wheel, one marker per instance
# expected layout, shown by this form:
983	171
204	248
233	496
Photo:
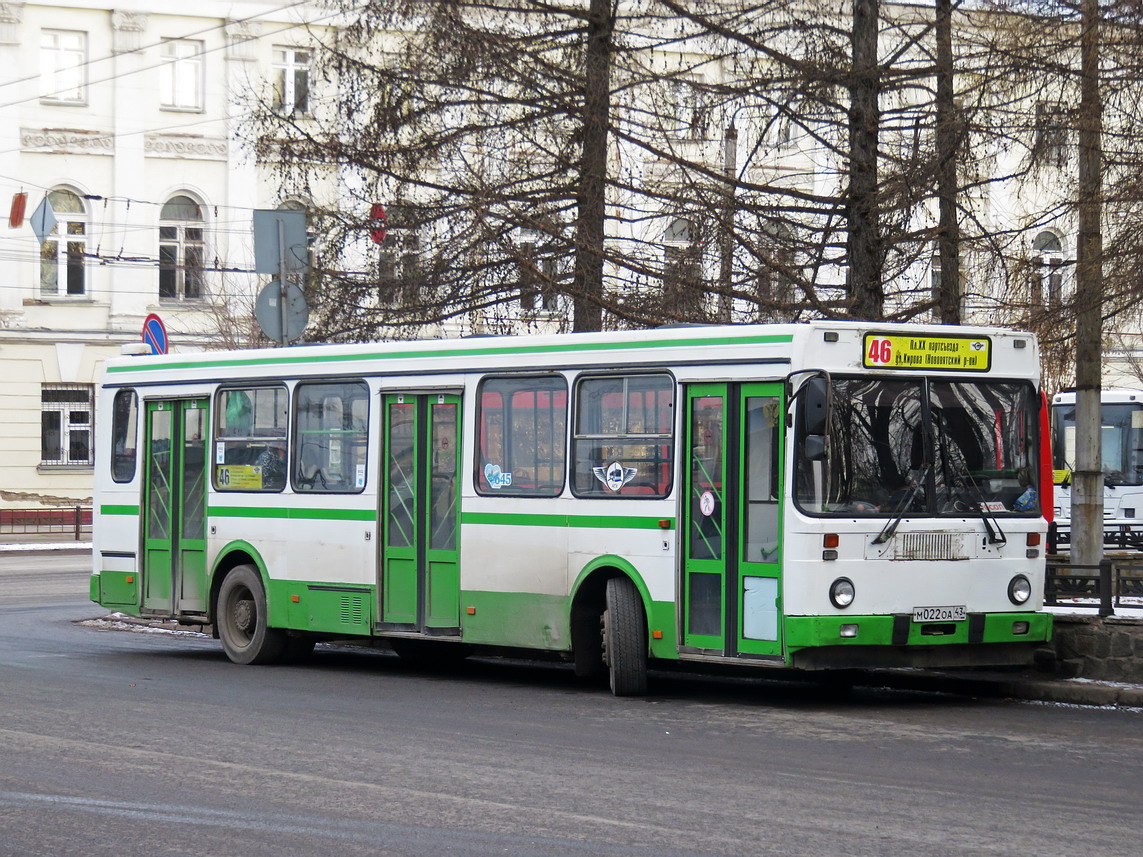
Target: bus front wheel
242	619
625	639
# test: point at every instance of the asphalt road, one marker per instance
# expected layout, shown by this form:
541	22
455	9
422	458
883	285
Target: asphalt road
126	743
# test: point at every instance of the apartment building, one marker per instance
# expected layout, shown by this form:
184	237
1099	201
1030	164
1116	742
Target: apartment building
129	123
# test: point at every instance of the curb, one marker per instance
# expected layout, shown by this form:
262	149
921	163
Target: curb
1064	691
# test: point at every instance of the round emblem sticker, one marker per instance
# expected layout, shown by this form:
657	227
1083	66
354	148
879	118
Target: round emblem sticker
706	503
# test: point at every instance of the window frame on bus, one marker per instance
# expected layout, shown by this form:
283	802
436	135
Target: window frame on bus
124	436
483	470
271	444
596	479
300	466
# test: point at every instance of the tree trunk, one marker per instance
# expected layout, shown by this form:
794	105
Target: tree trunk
948	141
863	276
587	287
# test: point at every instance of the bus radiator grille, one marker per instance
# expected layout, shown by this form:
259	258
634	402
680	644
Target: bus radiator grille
929	546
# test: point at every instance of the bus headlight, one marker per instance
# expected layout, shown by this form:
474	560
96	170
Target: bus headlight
841	593
1019	589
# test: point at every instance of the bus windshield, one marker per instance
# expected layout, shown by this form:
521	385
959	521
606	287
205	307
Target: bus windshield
920	447
1120	440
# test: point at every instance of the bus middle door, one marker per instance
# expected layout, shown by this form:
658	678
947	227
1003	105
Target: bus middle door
420	561
730	602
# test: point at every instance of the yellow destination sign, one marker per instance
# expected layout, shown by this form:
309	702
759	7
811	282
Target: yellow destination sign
936	353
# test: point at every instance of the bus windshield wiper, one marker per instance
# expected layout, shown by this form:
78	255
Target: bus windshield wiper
991	524
890	528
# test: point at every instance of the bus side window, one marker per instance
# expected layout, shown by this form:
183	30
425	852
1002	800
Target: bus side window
330	444
124	421
623	445
250	438
522	425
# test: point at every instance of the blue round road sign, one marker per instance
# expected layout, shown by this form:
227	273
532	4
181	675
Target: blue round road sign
155	334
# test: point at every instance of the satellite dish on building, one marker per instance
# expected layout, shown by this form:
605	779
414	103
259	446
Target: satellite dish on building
272	315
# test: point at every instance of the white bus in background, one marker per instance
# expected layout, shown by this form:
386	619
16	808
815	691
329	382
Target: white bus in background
817	496
1121	445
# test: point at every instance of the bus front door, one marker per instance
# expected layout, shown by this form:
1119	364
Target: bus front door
420	550
731	598
174	507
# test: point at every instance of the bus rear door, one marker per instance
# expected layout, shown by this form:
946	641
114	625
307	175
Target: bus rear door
174	507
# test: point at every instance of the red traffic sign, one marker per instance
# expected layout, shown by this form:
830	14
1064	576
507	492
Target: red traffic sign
155	334
378	222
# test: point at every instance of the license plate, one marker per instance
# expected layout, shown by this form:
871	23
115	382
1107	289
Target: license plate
939	614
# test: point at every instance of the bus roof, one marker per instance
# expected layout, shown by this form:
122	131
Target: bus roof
799	345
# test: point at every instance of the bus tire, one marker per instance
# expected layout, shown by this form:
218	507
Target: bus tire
625	639
241	619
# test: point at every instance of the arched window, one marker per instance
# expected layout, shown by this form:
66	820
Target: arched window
63	265
181	250
1047	270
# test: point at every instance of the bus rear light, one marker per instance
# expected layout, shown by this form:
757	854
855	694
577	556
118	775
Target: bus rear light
848	631
830	540
1033	540
1019	628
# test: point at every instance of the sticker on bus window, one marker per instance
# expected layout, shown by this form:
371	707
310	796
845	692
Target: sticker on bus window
495	477
220	453
706	503
360	476
614	475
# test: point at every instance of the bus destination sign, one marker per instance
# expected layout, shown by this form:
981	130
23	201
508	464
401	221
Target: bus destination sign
936	353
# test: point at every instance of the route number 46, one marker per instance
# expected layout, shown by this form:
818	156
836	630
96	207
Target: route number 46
880	351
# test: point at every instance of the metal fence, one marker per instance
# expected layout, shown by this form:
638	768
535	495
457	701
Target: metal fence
1103	587
65	521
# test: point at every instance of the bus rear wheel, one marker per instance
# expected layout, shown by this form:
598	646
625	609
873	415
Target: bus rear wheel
625	639
242	619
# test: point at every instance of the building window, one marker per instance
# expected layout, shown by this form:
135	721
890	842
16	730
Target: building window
181	74
292	80
539	273
63	263
682	270
1048	270
399	263
181	250
1051	134
63	59
686	108
776	269
65	424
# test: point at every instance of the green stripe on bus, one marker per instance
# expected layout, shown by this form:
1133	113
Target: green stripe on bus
611	522
570	346
306	514
119	510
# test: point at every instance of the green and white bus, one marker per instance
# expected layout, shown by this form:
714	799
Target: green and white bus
815	496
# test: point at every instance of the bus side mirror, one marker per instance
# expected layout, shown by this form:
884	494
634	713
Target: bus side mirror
815	403
814	447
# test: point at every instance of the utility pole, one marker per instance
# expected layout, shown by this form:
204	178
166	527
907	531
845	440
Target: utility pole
1087	482
726	266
